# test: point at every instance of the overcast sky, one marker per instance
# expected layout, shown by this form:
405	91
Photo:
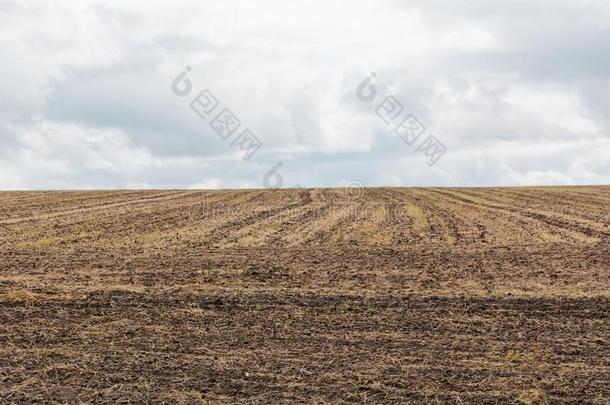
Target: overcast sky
518	92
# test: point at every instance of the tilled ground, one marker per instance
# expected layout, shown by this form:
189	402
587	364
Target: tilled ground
391	296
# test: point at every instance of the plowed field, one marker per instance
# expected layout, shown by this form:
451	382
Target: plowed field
392	295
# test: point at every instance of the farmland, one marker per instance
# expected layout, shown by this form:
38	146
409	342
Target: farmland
461	295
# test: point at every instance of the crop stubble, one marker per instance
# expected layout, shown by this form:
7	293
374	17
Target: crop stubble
396	295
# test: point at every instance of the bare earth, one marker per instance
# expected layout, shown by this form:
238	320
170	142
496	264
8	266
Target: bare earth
392	296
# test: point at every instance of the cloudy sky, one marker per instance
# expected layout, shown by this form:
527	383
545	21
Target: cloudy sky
517	92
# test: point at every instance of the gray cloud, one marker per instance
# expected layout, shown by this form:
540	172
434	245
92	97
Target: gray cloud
517	90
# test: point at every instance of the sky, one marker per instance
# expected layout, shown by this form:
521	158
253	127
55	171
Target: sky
244	94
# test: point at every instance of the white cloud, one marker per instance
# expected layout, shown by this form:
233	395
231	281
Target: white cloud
553	108
517	90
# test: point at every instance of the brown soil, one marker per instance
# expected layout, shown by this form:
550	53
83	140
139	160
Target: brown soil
306	296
